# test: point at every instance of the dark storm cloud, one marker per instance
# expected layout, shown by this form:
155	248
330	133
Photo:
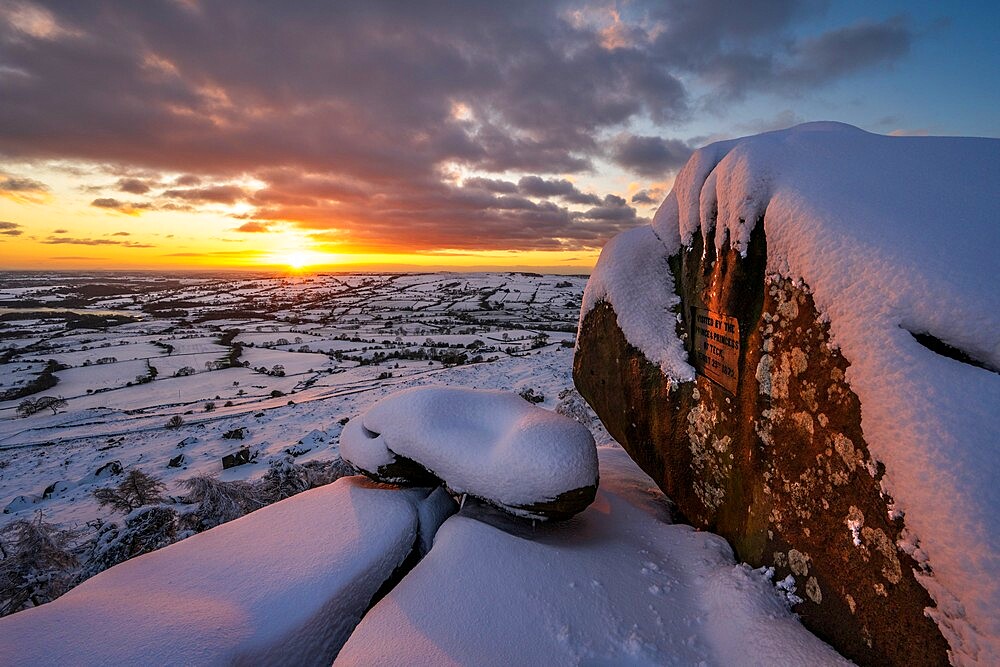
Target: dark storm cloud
654	157
354	115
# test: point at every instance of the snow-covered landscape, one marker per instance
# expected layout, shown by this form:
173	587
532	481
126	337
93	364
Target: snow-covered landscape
584	332
312	352
343	343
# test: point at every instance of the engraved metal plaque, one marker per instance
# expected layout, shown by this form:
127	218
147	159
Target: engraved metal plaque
717	348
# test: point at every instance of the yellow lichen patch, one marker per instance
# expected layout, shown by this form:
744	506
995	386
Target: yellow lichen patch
798	562
813	591
845	448
891	570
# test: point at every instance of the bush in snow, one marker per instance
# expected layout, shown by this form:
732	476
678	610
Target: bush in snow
283	479
219	501
320	473
531	396
37	564
144	530
136	490
175	422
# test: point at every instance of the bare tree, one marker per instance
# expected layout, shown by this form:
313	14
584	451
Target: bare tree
136	490
30	406
146	530
53	403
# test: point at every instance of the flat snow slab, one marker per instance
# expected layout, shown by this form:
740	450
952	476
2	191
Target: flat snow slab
615	585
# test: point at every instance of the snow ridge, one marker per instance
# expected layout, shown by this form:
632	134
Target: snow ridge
633	269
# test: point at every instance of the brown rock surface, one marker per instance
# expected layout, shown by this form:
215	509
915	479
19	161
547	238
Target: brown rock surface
780	467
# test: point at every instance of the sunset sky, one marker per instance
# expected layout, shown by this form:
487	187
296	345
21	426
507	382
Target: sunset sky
389	135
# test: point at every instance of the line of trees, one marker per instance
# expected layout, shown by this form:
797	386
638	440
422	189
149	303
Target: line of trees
30	406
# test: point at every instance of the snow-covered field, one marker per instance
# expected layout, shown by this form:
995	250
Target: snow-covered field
314	351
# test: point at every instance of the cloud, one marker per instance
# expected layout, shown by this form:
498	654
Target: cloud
60	231
215	194
490	185
365	112
10	228
63	240
844	50
134	186
794	64
23	190
187	180
121	234
537	186
643	197
127	208
649	156
253	226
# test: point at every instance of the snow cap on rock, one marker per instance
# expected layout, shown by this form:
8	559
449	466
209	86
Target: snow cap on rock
489	444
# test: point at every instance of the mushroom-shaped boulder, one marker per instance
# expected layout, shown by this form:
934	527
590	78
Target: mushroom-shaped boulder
489	444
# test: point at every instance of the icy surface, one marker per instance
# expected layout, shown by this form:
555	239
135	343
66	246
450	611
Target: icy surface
284	585
615	585
633	269
489	444
893	235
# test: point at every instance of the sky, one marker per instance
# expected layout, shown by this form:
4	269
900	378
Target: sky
179	134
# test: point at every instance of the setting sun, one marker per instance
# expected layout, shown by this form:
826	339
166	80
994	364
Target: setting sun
300	259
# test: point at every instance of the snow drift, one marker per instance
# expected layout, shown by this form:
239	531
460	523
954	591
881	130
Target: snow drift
615	585
283	585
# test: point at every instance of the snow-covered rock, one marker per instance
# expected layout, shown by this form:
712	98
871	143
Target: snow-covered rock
283	585
488	444
615	585
862	272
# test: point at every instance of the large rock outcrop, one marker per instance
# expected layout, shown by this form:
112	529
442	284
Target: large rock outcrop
798	328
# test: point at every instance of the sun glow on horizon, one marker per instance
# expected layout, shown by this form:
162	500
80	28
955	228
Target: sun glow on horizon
298	260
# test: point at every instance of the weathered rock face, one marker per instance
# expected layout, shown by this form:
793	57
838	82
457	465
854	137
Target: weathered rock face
780	466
